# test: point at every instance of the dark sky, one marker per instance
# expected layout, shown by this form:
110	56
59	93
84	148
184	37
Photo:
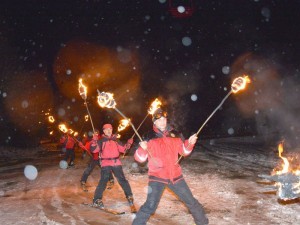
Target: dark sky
139	50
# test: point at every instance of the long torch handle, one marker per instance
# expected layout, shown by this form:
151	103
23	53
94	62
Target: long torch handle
83	146
140	125
134	133
216	109
131	124
87	108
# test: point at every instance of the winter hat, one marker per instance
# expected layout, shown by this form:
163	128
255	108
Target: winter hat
158	114
105	126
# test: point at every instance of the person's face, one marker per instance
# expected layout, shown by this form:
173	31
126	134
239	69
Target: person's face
107	132
161	123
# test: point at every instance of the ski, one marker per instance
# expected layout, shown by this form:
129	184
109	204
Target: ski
111	211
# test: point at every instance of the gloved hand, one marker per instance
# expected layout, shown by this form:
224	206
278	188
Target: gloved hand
95	136
129	143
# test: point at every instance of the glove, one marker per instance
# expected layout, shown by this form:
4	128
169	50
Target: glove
129	143
95	137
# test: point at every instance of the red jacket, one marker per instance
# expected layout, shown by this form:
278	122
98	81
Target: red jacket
109	148
68	142
164	148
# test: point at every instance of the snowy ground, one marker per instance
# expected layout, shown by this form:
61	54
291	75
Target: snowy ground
222	175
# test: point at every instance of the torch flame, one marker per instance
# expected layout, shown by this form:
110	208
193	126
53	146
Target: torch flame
51	119
123	124
106	99
154	106
239	83
82	90
62	127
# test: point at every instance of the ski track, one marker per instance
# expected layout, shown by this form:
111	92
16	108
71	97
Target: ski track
222	175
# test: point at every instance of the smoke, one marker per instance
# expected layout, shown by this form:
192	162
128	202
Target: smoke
272	98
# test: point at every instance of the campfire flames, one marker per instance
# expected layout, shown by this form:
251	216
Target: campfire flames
123	124
287	180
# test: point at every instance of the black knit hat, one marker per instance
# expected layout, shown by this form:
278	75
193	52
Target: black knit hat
158	114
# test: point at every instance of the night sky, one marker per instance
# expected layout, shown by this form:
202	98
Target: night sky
186	53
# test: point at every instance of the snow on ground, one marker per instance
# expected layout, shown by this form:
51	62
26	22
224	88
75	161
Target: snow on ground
222	174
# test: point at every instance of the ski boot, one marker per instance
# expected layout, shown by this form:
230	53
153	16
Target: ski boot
132	207
98	204
71	165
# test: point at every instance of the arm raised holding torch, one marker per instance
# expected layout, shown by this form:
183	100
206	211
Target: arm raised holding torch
238	84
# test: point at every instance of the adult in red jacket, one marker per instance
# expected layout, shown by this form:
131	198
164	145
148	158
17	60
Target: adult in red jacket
109	148
93	162
69	144
161	147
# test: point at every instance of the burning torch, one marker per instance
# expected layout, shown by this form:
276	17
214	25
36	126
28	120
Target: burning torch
153	107
238	84
107	100
63	128
83	93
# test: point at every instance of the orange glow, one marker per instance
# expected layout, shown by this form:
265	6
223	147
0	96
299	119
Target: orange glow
239	83
51	132
86	118
154	106
123	124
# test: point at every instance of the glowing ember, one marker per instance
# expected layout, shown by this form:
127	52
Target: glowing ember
123	124
154	106
239	83
82	90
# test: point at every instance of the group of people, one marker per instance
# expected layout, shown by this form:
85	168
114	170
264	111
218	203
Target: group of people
161	147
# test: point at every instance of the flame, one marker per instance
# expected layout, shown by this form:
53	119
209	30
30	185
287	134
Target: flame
86	118
286	164
154	106
51	132
51	119
106	99
62	127
75	134
118	136
123	124
82	89
239	83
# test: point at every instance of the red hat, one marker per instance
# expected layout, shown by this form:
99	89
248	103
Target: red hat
105	126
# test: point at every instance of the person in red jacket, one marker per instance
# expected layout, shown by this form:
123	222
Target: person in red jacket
69	144
109	148
93	162
161	147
